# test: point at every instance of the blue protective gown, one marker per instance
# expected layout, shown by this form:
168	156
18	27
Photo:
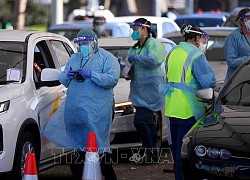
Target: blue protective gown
88	105
237	50
148	75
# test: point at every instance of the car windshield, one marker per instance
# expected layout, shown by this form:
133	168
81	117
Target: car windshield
230	22
214	48
72	33
12	56
200	22
68	33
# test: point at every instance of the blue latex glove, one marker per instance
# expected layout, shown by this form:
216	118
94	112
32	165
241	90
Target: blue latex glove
131	58
70	74
85	72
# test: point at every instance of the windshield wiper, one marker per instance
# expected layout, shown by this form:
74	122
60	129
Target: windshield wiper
7	82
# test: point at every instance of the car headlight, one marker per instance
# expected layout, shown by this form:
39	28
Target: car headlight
213	152
200	150
225	154
4	106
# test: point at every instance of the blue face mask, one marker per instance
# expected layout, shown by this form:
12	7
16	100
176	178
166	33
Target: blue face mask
85	50
136	35
99	29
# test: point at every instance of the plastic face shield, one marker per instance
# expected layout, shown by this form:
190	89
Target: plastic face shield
204	38
246	19
137	25
84	40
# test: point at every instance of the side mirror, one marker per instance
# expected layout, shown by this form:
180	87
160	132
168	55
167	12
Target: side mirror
205	95
50	74
49	77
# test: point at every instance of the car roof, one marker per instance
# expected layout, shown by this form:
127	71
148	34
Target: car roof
152	19
125	41
81	24
212	31
205	15
21	35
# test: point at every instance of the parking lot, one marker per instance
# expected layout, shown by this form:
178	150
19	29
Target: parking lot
125	169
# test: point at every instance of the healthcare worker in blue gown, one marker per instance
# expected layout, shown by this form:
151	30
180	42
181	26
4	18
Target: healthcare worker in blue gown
237	44
90	76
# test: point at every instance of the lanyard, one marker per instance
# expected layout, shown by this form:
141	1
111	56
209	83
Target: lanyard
247	40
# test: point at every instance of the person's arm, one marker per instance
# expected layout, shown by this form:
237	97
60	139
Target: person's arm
231	52
154	57
63	76
203	72
111	72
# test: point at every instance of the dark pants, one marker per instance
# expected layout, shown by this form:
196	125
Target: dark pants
146	127
107	167
179	127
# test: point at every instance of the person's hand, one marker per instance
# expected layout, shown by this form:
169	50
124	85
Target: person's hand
70	74
85	72
131	58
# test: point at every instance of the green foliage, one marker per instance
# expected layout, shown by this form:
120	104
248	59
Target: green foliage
37	14
37	28
6	13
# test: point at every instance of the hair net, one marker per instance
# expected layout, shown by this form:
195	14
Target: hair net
89	33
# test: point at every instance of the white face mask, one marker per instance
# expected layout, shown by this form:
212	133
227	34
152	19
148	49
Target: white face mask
203	47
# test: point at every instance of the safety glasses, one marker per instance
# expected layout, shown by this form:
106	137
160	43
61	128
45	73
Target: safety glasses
84	40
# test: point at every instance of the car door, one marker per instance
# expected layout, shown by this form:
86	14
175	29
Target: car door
46	55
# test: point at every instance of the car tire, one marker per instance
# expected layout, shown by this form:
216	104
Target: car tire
25	144
158	121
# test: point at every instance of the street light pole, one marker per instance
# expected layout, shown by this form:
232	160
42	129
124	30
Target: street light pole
189	7
56	12
157	8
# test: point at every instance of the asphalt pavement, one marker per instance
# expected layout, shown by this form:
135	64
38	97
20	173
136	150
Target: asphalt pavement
126	167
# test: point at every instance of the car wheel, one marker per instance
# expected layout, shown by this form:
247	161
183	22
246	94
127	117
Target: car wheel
26	143
158	121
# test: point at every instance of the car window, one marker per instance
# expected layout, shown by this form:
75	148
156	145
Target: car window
12	60
168	27
230	22
68	33
236	91
200	22
214	51
240	95
61	52
154	28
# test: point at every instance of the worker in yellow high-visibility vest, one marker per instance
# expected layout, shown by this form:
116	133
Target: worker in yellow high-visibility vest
187	70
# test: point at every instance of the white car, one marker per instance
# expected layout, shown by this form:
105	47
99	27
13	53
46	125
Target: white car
123	132
70	29
159	25
29	95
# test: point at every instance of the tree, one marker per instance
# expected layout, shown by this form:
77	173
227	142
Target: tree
19	17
